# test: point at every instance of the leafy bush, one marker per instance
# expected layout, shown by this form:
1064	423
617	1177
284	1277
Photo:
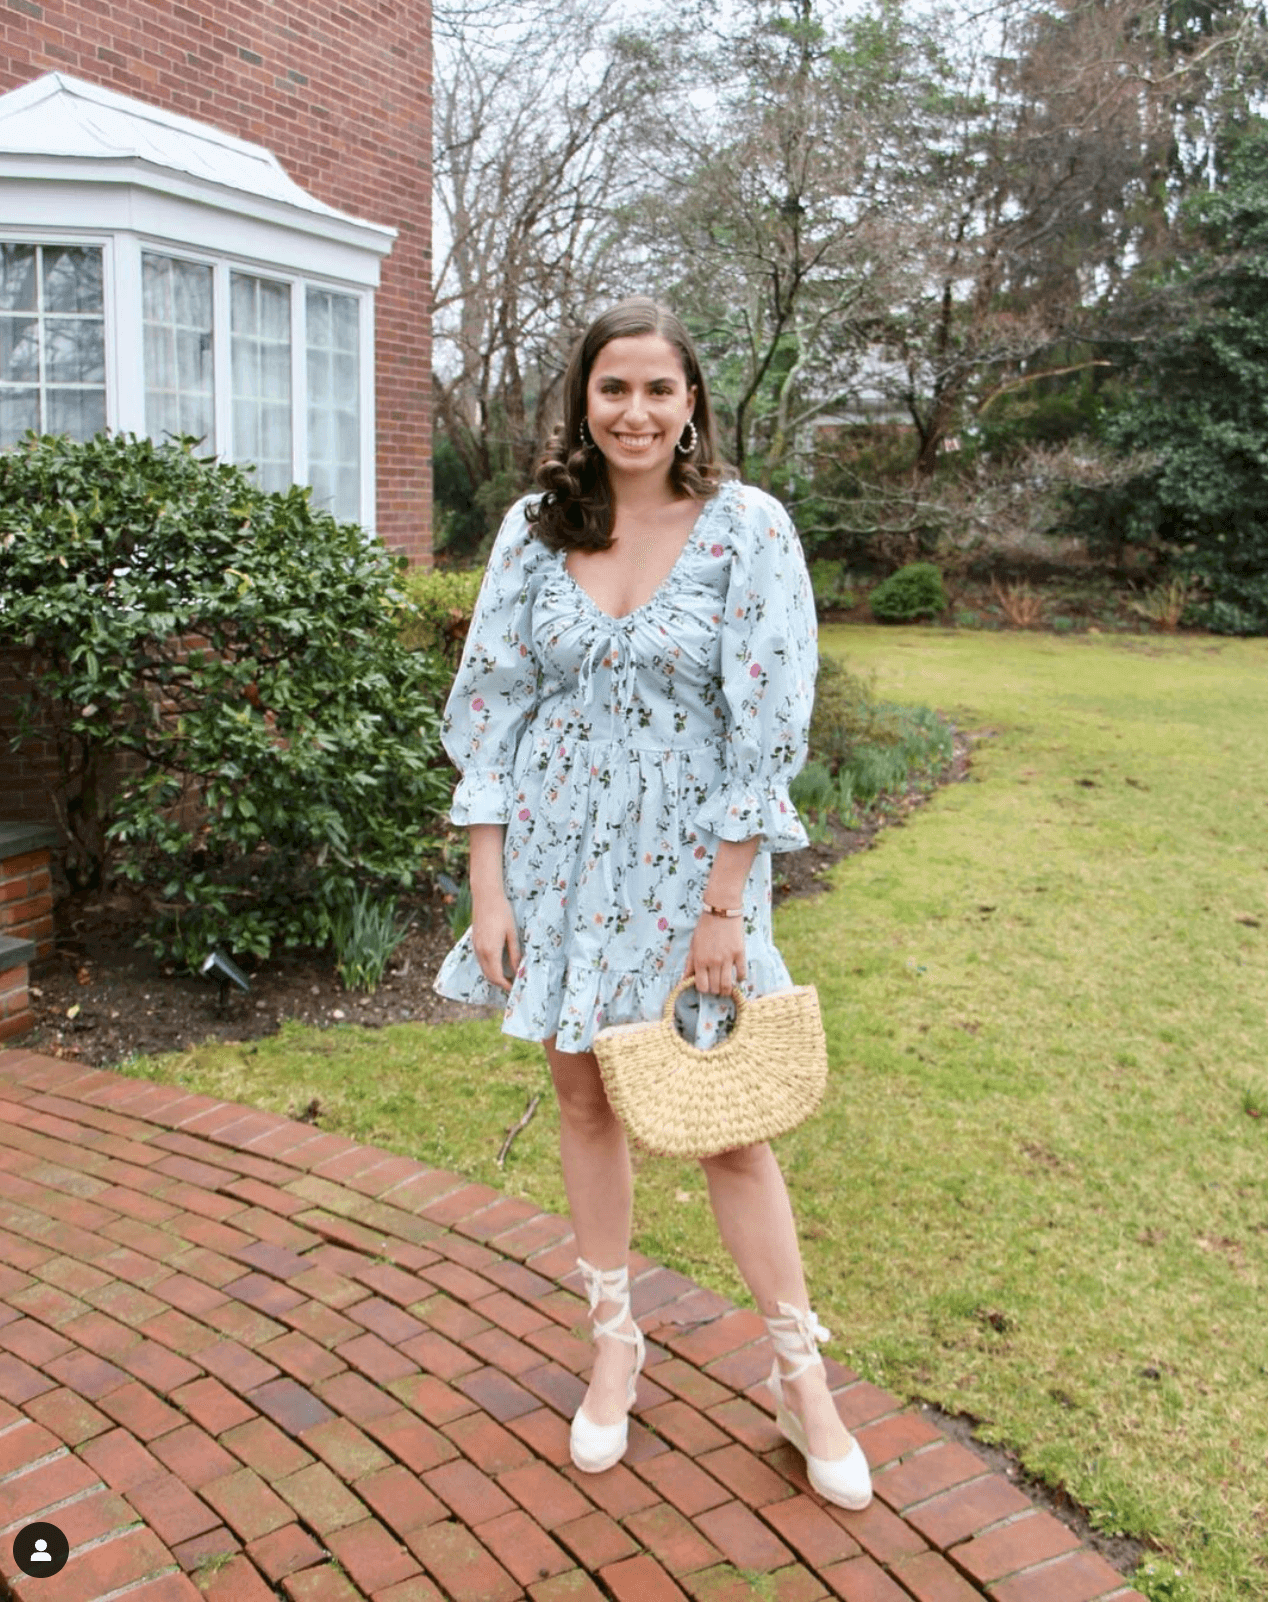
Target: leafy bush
915	591
239	725
861	748
438	611
846	716
828	579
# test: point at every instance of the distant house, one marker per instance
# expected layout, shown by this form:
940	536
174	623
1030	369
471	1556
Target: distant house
216	220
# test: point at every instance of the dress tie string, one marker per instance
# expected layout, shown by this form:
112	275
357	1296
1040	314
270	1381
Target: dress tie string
614	649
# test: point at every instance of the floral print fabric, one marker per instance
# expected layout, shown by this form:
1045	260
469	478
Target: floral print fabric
618	752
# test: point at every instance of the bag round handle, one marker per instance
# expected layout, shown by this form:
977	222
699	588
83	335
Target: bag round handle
689	983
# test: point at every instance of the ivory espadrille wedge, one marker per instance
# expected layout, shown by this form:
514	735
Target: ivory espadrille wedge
595	1447
845	1481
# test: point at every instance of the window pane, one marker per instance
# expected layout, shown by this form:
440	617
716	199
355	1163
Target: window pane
347	323
156	288
162	415
179	379
275	445
246	432
75	352
334	402
242	303
52	340
19	350
193	361
19	410
261	362
195	416
77	412
160	366
72	279
191	290
275	372
275	312
17	277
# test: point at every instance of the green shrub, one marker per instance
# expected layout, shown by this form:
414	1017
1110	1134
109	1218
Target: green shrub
438	610
861	748
240	729
828	581
913	592
846	715
814	789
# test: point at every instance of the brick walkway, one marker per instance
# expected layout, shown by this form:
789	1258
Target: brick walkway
242	1359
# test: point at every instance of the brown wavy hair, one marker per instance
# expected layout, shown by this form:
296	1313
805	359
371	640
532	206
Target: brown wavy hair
576	511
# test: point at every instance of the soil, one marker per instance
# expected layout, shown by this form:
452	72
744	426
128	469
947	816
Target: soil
102	999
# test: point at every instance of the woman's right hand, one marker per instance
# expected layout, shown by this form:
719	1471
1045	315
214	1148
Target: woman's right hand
493	932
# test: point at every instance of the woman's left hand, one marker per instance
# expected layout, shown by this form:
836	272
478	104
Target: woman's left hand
716	957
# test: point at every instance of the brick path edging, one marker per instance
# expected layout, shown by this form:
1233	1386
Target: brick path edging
242	1359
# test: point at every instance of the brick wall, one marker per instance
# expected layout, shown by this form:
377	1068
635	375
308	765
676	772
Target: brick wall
341	93
26	900
15	1000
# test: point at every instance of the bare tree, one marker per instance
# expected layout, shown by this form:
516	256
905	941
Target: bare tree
531	138
774	209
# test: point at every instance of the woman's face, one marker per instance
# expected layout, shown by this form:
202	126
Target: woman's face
638	404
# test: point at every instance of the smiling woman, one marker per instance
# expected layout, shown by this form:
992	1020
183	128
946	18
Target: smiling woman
633	701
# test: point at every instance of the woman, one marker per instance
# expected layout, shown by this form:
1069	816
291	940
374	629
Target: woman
633	699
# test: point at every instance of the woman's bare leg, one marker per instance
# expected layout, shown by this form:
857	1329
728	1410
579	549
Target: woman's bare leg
597	1178
755	1219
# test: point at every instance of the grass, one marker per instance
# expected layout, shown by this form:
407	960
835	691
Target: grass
1038	1189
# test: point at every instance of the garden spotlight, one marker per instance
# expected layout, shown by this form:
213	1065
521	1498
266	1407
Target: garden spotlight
226	973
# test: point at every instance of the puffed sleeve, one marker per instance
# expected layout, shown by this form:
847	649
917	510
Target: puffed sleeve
495	691
770	658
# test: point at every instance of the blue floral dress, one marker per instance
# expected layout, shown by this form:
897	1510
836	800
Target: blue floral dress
618	752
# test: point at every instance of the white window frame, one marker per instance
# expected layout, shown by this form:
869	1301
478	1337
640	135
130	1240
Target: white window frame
121	276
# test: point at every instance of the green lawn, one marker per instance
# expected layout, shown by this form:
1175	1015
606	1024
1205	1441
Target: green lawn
1038	1191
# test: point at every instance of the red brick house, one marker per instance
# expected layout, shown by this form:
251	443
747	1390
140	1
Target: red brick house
215	219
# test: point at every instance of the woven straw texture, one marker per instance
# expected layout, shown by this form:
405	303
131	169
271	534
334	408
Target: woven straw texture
764	1079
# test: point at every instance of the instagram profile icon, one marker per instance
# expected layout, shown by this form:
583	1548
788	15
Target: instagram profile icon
40	1550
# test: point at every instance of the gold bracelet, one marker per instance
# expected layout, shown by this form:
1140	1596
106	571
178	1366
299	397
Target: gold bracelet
724	912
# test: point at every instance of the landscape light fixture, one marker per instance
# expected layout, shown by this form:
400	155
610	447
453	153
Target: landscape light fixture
226	973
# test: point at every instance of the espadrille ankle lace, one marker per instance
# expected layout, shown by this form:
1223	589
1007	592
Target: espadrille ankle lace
796	1336
595	1447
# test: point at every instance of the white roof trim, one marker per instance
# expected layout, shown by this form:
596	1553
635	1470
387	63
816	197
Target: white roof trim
62	126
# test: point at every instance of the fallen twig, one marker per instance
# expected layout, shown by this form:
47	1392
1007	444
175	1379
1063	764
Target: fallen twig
515	1129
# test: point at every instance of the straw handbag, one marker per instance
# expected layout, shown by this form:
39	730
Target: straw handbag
764	1079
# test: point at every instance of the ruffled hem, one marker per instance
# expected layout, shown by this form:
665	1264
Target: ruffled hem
482	795
572	1001
740	814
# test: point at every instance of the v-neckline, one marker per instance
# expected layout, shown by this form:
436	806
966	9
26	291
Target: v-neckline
624	617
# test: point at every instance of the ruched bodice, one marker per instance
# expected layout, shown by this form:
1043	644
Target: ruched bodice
618	751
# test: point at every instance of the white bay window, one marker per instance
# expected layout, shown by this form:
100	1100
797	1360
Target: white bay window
200	292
